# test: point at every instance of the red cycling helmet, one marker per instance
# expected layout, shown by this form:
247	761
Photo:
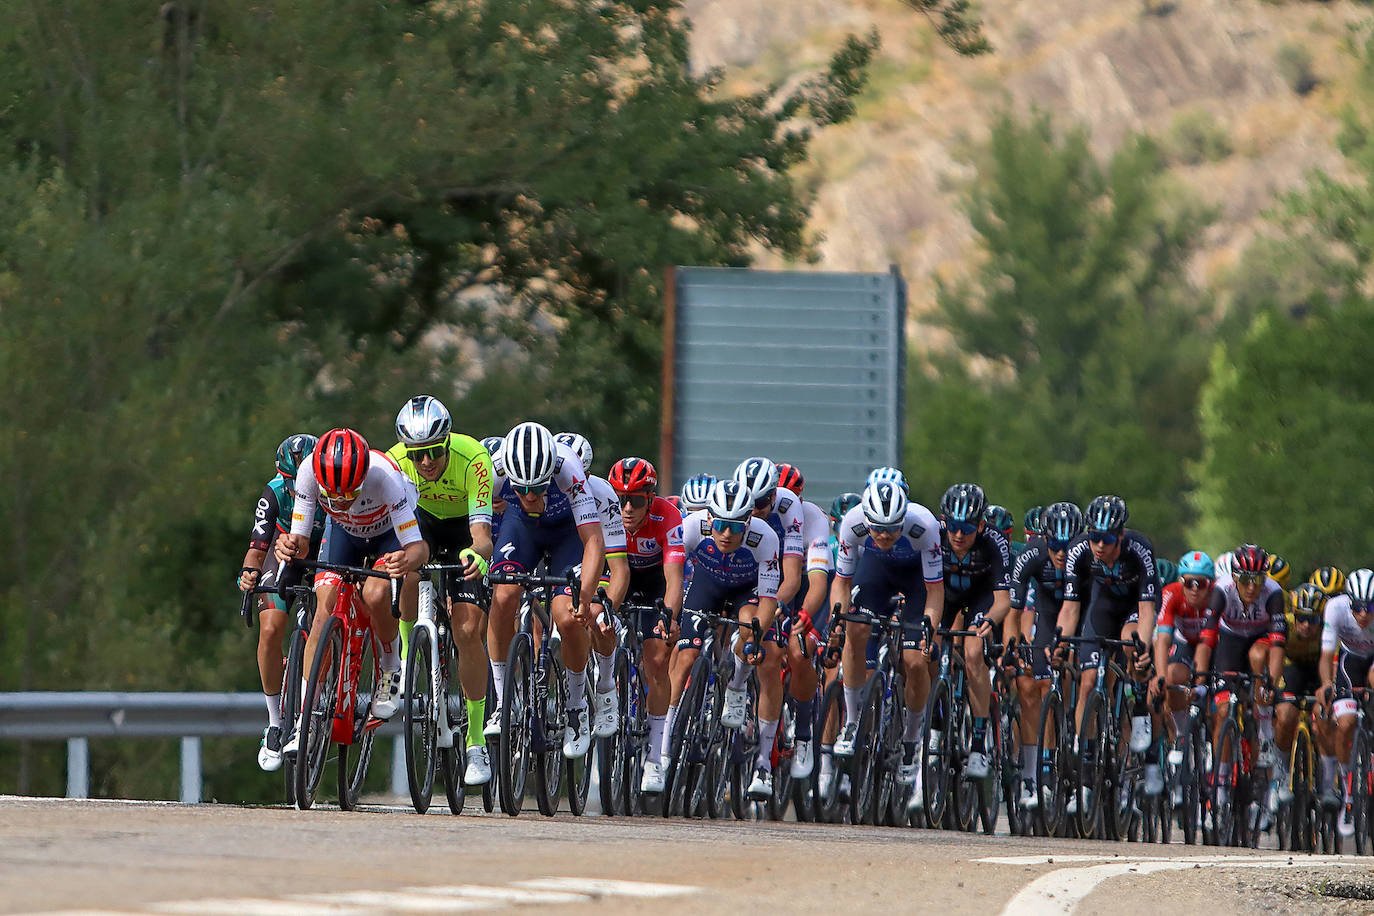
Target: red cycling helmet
1249	559
674	501
340	462
630	475
789	478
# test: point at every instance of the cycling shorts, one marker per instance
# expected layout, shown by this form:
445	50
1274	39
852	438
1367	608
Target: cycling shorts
1107	615
707	594
1233	651
338	546
1182	652
446	538
645	589
524	545
1300	680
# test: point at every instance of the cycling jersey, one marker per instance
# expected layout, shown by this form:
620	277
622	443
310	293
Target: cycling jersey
1035	567
566	499
612	525
918	542
983	569
1297	650
659	539
1178	617
1341	631
273	509
816	537
1226	613
385	503
1132	576
465	487
753	563
787	522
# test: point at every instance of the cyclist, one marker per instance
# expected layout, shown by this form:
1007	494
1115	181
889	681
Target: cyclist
1329	579
269	519
551	517
1113	567
810	620
782	510
1278	569
734	556
1347	663
653	534
1183	609
616	583
1301	677
838	507
889	546
696	493
1245	629
999	519
1040	569
454	477
370	506
977	563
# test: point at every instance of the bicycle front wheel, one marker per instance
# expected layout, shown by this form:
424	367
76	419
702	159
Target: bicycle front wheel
421	720
1359	790
578	770
517	720
613	754
1226	768
1302	820
548	757
828	805
1051	785
1094	765
317	720
291	704
354	757
937	764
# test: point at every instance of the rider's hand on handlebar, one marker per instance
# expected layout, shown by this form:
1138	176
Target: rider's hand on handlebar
394	563
248	577
983	626
288	547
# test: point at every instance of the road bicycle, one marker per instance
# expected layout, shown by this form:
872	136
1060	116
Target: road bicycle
877	796
1236	788
338	693
620	758
1296	820
948	798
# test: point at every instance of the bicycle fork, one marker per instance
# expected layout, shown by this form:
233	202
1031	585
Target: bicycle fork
440	715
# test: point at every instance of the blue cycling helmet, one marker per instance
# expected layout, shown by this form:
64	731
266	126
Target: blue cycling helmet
1000	518
1061	522
1106	513
696	493
1197	563
888	475
292	451
963	502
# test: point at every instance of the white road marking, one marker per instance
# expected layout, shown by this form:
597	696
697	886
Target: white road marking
396	900
605	887
1052	859
512	895
252	906
1061	891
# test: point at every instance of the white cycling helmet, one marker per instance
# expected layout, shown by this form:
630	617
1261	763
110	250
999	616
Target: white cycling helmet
696	493
1223	564
423	421
759	476
579	444
529	453
890	475
496	448
884	503
730	500
1359	585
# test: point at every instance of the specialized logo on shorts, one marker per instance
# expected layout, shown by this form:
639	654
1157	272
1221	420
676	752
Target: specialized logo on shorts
753	539
507	550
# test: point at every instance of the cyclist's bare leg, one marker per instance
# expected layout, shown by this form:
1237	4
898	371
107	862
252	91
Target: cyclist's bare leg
576	641
271	629
386	630
654	655
505	606
856	636
472	655
916	667
803	683
1087	680
770	682
325	598
979	681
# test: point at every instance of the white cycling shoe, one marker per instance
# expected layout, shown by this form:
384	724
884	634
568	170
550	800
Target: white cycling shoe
478	772
762	786
607	716
1154	779
844	745
577	736
917	801
293	740
493	728
1140	734
1029	799
270	752
803	758
976	767
387	698
735	702
652	780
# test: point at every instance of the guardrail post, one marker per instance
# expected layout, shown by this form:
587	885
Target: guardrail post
78	768
400	785
190	770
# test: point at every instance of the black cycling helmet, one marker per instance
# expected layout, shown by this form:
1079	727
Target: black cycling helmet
1106	513
964	502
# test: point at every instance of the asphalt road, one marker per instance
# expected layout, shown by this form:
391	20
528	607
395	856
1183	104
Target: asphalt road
117	857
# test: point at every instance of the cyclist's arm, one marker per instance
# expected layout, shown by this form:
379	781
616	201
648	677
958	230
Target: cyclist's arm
932	570
767	611
1326	667
593	559
481	538
672	590
1278	635
1148	588
840	589
935	603
619	581
815	592
1069	611
791	578
1211	625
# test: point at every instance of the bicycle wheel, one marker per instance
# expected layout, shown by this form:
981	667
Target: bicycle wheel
862	772
517	723
317	721
679	766
781	758
1051	783
354	758
548	763
830	723
613	761
578	770
1226	768
291	705
451	761
707	795
937	767
962	814
1196	793
743	743
1301	816
1018	821
1094	765
990	788
1359	790
421	720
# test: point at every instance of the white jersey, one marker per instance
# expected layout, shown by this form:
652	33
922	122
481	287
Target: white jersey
386	502
567	497
1340	629
919	540
816	536
787	522
612	525
755	561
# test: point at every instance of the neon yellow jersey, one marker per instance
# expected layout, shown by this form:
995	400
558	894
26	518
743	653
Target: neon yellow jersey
465	486
1297	650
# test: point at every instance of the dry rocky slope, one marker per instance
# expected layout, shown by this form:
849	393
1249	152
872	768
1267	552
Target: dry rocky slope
889	183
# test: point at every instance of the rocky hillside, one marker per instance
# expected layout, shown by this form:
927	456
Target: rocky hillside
1245	94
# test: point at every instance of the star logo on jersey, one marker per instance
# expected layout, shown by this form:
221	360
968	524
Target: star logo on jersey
844	548
772	564
794	527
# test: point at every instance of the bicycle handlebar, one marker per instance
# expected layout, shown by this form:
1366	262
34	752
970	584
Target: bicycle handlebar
533	580
360	572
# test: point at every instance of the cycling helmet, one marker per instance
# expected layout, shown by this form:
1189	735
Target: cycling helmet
696	492
1223	565
1329	579
1308	600
1033	519
889	475
1278	569
884	503
730	500
629	475
963	502
1166	570
841	506
759	476
580	446
495	447
423	421
1359	585
1000	518
675	502
530	453
292	452
1106	513
789	478
1197	563
1248	558
1061	522
340	461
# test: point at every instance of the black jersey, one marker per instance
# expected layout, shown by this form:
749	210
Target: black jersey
1035	569
986	567
1132	576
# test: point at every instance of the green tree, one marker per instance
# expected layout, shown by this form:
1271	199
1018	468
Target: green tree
1083	330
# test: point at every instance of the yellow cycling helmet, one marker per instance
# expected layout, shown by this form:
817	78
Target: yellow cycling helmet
1278	569
1308	601
1329	579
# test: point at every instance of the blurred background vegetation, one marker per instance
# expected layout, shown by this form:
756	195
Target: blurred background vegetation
226	223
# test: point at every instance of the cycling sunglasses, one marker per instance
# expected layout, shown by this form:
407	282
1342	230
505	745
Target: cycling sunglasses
884	529
1362	607
765	501
635	500
960	527
1249	578
432	452
726	526
1056	546
1195	582
1307	618
532	490
1103	537
332	500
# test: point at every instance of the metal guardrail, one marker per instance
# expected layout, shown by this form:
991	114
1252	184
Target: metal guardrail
78	717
